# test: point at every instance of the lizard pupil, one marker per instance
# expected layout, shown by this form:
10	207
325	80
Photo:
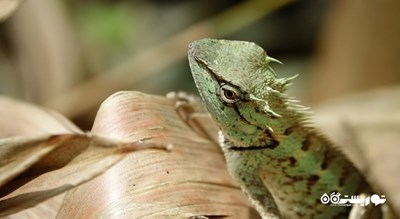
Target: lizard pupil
229	94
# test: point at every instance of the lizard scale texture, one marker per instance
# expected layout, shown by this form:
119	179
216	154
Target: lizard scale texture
281	162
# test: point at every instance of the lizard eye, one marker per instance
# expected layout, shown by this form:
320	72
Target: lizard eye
229	94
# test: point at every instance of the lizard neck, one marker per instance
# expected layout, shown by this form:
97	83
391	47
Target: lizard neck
292	123
260	129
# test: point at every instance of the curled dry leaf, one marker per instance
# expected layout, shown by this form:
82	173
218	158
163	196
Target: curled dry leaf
71	160
36	164
190	180
22	119
25	120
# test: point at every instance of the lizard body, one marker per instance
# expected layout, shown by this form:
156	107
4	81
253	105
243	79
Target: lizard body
280	162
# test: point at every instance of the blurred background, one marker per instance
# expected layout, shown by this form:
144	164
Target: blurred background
71	55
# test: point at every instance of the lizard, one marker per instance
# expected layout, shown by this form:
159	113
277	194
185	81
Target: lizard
281	162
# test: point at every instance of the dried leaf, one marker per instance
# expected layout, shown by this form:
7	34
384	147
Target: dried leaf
36	164
367	125
72	160
46	209
18	154
31	121
28	121
190	180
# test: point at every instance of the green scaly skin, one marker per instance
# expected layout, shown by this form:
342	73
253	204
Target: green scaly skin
282	164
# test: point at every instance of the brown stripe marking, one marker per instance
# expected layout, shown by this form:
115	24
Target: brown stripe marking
305	145
289	130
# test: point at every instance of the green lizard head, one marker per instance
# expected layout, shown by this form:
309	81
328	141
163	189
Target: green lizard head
239	88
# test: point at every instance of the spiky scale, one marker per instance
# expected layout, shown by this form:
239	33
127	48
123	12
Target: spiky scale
282	164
